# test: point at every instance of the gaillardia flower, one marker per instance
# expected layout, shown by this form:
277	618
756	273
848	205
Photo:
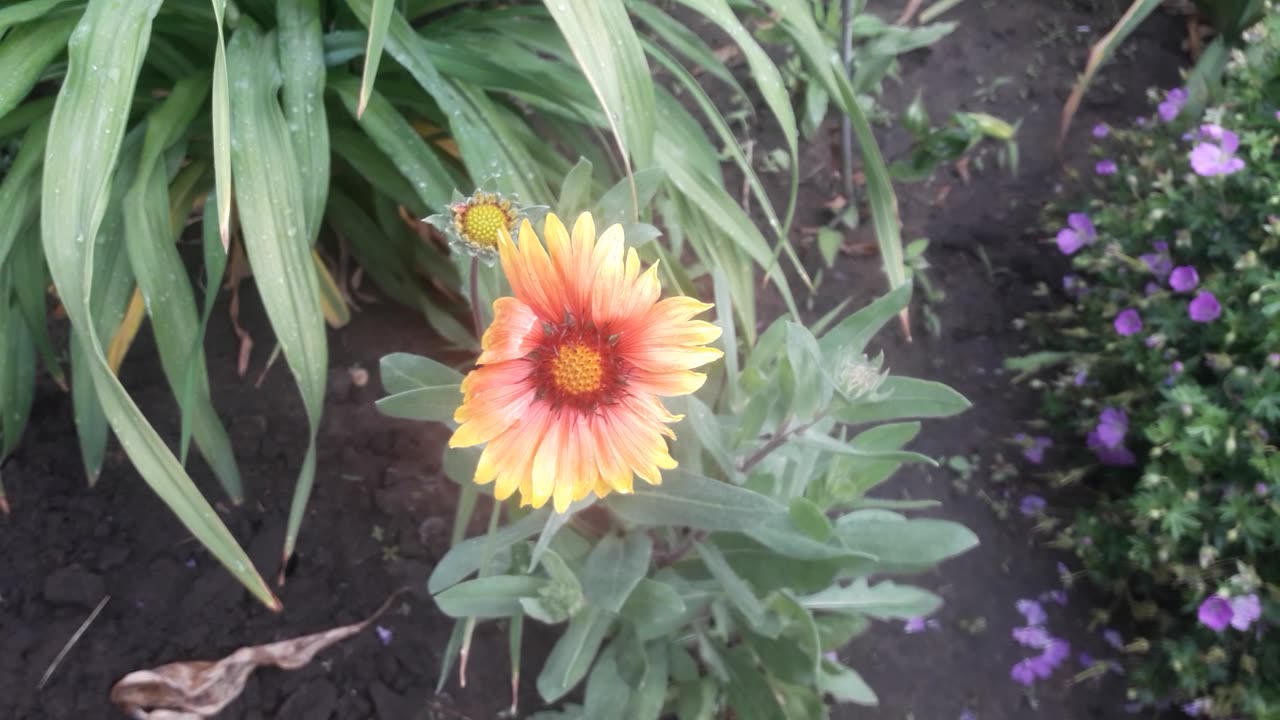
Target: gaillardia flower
567	388
473	223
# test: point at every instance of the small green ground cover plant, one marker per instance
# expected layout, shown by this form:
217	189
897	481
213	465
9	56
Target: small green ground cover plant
1165	362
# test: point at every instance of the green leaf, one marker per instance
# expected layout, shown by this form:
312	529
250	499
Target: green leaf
494	596
853	333
748	689
794	654
427	404
302	70
810	519
575	191
85	135
573	653
402	372
26	51
151	242
904	397
735	589
884	601
397	139
829	242
845	685
486	142
464	558
221	121
697	700
694	501
605	44
880	194
902	544
615	204
24	11
272	210
379	19
606	691
614	567
768	570
17	370
20	189
654	608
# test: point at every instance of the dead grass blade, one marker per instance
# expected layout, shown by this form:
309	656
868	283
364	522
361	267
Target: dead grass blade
200	688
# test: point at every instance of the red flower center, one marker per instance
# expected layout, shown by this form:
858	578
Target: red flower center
578	367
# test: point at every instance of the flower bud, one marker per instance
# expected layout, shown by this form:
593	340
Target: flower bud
859	378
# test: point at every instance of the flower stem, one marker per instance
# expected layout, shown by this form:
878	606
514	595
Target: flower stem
476	320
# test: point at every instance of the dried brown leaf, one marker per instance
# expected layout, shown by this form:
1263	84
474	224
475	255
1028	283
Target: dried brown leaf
199	689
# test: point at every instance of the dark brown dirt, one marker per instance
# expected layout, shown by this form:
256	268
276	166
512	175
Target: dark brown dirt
380	514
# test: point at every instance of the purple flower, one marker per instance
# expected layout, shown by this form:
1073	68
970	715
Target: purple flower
1057	596
1204	308
1150	289
1032	611
1032	505
1023	673
1101	130
384	634
1261	490
1106	167
1158	262
1217	155
1113	638
1033	448
1032	636
967	715
1112	426
1172	105
1273	359
1245	610
1140	122
1115	456
1215	613
1080	378
1196	707
1176	368
1055	652
1085	659
1128	322
913	625
1184	278
1078	233
1073	286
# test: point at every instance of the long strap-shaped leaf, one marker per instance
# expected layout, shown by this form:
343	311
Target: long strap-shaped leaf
221	130
104	57
273	217
605	44
378	21
149	239
303	72
489	149
880	193
26	51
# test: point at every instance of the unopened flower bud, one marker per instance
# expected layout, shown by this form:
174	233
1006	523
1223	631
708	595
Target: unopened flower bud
1186	409
859	378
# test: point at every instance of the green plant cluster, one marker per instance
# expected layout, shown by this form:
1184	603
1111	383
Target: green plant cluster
302	130
729	589
1195	512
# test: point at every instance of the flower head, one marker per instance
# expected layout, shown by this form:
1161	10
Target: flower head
1032	611
1032	505
1033	447
1128	322
1184	278
1101	130
1032	636
1245	610
1215	613
1078	233
1113	638
566	394
1023	672
1112	426
1172	104
1216	153
1106	167
473	223
384	634
1204	308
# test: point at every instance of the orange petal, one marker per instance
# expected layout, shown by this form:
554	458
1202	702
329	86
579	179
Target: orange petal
515	332
547	463
669	383
517	447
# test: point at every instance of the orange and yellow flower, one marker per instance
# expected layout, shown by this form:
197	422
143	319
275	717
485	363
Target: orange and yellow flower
567	388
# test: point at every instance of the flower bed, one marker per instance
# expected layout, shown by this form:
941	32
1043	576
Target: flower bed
1166	362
